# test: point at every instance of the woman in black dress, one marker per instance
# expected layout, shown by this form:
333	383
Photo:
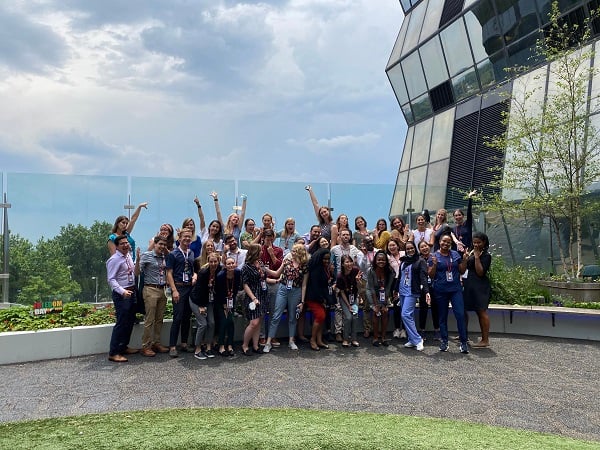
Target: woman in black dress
228	283
477	285
254	283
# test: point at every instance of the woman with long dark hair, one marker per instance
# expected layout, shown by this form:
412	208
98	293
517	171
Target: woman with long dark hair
477	285
381	235
228	283
348	295
328	227
380	291
319	292
123	226
411	283
254	283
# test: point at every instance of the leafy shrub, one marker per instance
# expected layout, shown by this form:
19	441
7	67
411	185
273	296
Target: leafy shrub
516	284
21	318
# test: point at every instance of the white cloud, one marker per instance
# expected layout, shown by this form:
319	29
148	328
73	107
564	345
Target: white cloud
210	89
317	145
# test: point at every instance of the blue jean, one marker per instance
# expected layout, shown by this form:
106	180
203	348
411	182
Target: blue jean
408	318
350	322
182	313
458	307
285	298
125	318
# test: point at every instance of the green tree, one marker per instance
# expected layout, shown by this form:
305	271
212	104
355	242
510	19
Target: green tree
39	272
552	148
86	253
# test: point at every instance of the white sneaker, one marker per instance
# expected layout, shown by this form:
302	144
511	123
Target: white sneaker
293	346
267	348
420	346
403	334
396	333
409	345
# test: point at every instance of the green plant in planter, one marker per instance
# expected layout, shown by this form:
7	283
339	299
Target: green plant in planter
74	314
515	284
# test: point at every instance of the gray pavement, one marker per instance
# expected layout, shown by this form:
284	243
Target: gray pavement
533	383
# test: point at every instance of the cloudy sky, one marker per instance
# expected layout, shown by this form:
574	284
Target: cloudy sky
271	90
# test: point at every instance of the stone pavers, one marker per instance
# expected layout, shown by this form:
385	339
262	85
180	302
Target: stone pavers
541	384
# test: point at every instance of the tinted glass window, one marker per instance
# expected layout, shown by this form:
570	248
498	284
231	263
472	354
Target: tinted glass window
433	62
455	43
413	73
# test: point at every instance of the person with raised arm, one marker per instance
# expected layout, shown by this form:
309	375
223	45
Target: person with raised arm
234	220
463	229
328	228
123	226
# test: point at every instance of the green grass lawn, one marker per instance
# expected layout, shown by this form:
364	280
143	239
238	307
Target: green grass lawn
268	429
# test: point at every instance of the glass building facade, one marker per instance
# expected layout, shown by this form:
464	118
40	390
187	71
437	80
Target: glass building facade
448	71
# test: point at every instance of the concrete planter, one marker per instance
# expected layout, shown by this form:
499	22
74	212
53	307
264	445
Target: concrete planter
579	292
24	346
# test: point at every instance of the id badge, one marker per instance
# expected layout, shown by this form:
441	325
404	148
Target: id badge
351	299
230	302
185	278
406	281
263	285
381	296
330	290
449	276
211	297
290	284
130	277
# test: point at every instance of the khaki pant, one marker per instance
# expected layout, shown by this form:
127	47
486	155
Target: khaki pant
155	303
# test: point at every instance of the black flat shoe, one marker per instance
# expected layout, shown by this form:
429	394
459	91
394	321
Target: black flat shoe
376	343
325	346
385	343
257	350
246	352
230	352
224	353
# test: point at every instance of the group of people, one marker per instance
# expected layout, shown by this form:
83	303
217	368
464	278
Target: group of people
332	272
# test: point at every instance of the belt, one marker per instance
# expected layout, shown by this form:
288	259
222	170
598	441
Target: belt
157	286
130	288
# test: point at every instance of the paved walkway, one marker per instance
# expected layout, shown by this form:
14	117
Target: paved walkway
540	384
